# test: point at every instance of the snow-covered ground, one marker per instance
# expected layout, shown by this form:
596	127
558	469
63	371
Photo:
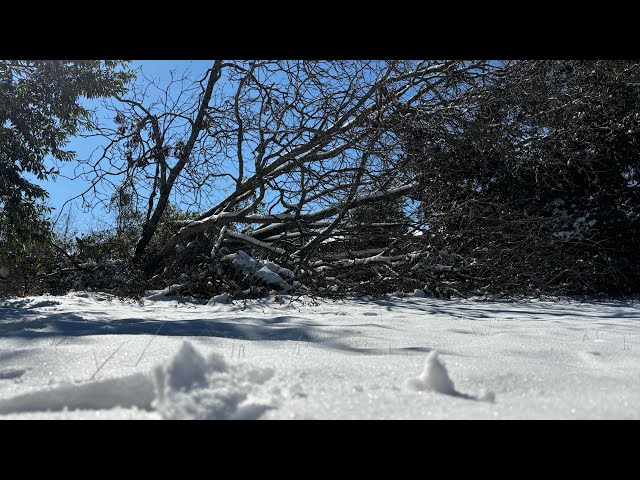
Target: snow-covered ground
87	355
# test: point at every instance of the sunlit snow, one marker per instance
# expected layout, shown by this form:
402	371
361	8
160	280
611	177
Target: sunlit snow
90	355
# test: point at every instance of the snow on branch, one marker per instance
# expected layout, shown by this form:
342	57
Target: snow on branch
269	273
254	242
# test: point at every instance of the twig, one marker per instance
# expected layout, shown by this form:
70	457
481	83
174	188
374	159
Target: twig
149	343
107	360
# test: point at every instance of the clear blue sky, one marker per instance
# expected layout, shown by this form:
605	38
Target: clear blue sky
63	189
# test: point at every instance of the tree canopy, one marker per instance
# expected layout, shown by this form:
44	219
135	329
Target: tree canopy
40	108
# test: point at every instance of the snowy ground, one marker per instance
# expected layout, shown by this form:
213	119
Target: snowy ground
93	356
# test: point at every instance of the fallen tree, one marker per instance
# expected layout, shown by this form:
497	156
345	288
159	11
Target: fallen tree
294	145
451	177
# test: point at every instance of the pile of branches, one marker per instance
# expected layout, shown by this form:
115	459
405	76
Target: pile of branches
113	276
273	158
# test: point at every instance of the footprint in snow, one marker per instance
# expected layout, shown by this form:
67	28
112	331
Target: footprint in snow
187	386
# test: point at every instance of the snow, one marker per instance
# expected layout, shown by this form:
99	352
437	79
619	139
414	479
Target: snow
269	277
269	272
186	369
281	271
434	377
253	241
222	298
87	265
247	264
192	387
92	356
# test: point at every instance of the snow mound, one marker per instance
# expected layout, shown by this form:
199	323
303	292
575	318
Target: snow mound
166	294
434	377
190	386
185	370
222	298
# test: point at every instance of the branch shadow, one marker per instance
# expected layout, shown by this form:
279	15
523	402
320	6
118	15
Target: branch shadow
480	310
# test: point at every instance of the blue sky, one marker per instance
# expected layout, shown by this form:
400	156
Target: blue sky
62	189
66	187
